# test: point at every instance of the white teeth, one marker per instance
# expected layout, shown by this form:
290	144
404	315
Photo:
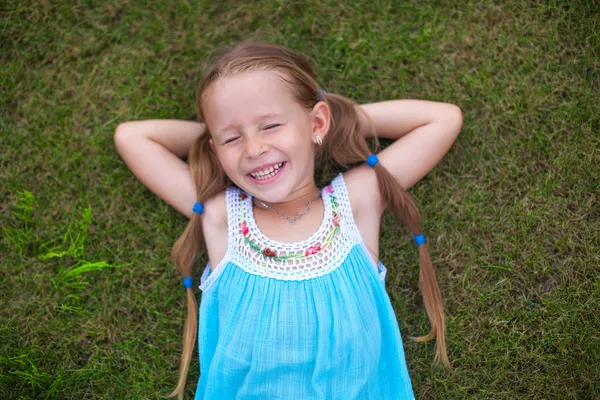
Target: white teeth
267	173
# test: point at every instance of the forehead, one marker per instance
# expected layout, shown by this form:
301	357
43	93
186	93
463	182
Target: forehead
241	98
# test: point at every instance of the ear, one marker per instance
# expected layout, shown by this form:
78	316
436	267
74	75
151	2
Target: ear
320	119
212	145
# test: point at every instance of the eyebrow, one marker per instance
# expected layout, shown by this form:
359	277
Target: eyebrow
257	119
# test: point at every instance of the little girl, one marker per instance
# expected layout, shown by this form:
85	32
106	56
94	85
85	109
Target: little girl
294	304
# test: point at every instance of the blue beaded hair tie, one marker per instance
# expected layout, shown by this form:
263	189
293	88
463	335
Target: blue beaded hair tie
372	160
187	282
321	95
198	208
419	239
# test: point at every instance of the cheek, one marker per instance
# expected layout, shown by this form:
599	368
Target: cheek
303	141
228	160
299	137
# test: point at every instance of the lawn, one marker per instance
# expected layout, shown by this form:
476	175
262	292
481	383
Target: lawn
91	306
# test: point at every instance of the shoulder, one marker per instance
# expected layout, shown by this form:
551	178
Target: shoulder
214	216
363	190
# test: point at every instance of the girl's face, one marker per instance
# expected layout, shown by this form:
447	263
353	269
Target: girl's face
263	138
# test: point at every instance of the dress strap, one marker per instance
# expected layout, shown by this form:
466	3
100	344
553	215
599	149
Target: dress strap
345	207
234	197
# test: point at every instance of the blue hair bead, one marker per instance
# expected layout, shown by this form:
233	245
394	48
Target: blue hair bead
198	208
419	239
372	160
321	95
187	282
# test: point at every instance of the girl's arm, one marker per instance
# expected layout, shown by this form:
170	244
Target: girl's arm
424	132
154	151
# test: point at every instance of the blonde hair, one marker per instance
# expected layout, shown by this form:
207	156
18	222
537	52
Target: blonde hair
343	144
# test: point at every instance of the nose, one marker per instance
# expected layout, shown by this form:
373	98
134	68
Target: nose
254	145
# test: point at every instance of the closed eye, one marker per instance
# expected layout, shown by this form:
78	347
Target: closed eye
272	126
231	140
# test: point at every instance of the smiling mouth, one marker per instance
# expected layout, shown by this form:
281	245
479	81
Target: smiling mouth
267	173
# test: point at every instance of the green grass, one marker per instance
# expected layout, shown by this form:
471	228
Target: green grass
512	213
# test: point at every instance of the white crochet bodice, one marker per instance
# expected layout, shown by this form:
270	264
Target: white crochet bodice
315	256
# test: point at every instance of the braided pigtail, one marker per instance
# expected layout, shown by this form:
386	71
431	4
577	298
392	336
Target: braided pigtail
345	145
209	180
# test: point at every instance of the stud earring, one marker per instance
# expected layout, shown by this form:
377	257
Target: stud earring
319	140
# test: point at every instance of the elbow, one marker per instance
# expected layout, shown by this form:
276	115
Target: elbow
118	137
123	131
454	118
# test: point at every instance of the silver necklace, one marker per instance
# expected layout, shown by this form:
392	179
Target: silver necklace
298	216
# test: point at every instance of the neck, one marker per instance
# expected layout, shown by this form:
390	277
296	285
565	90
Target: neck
296	201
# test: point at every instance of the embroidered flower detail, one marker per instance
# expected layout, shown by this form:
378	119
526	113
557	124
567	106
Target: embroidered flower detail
244	228
329	189
336	219
269	253
243	196
312	250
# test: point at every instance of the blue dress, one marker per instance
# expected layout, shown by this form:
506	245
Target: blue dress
302	321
